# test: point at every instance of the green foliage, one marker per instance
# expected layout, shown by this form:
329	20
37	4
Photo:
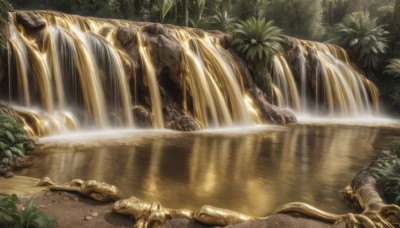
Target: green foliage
393	68
388	179
30	217
257	41
164	7
222	21
13	137
387	175
5	8
299	18
395	148
198	7
335	10
250	8
361	35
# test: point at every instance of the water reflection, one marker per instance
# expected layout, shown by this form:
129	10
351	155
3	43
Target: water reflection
252	172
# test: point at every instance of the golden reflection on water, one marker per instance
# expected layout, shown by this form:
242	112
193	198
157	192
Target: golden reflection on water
252	172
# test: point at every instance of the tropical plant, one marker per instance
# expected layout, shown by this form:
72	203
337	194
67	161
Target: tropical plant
13	137
387	175
222	21
198	7
164	6
335	10
249	8
30	217
257	41
393	68
361	35
299	18
5	8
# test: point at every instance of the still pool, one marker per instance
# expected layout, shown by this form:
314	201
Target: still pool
250	170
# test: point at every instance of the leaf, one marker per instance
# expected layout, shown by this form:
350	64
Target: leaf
17	151
8	154
10	136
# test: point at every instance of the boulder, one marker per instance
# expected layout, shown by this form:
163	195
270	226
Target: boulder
184	123
30	20
142	117
126	35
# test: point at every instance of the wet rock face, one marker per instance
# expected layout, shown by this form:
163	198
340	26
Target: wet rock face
288	116
185	123
30	21
126	35
142	117
271	113
5	166
165	49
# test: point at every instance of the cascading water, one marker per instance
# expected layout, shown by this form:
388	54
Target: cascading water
79	69
68	71
327	80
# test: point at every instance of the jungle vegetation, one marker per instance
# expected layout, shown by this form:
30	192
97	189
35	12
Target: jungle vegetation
368	29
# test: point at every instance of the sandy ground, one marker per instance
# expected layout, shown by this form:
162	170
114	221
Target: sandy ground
73	210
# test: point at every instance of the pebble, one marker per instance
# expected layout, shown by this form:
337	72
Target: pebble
87	218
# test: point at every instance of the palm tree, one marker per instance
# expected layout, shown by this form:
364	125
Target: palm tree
393	68
361	35
257	41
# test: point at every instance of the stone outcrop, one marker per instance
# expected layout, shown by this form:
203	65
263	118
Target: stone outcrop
30	20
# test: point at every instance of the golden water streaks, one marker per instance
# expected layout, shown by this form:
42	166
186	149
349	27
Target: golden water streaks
151	81
338	86
283	79
213	80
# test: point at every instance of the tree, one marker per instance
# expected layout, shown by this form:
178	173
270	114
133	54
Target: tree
335	10
299	18
257	41
250	8
360	34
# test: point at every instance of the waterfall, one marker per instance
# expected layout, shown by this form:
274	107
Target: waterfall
68	72
327	80
76	72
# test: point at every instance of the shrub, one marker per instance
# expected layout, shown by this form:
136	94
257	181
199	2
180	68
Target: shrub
13	137
363	37
257	41
30	217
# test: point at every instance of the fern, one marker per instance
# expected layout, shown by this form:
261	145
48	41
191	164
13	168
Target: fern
387	176
13	137
31	217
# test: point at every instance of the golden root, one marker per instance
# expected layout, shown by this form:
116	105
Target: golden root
375	214
96	190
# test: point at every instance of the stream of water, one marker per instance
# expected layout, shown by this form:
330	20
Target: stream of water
251	170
